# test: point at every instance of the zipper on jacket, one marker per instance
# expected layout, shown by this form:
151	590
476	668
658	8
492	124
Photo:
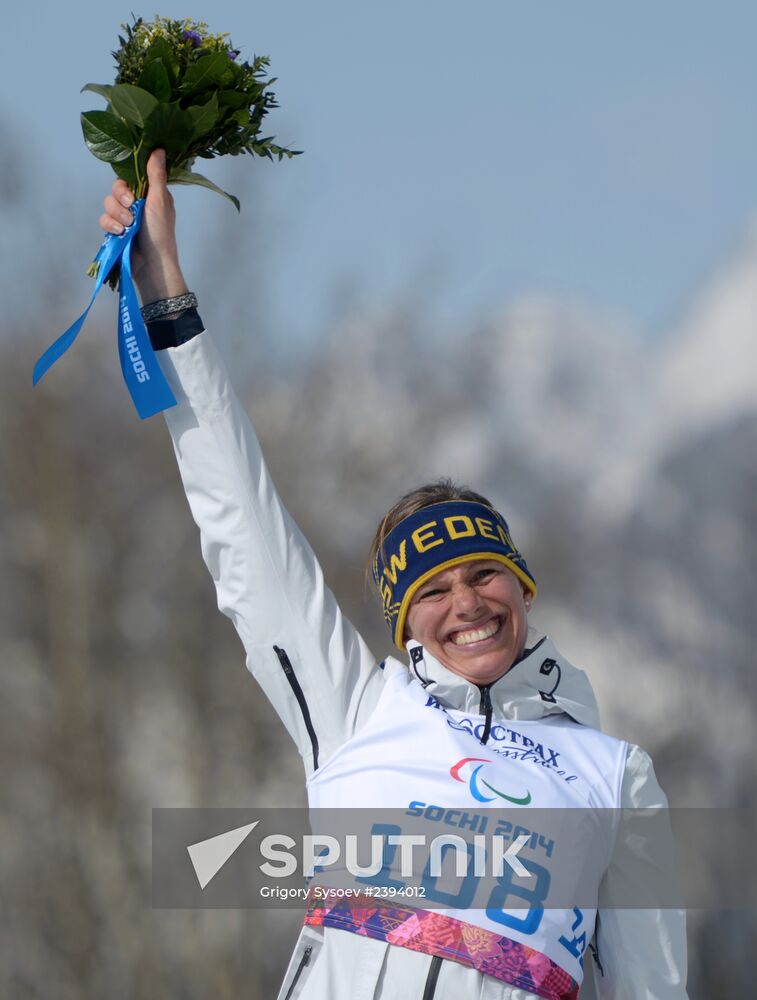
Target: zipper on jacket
301	701
303	962
594	946
485	709
433	975
595	955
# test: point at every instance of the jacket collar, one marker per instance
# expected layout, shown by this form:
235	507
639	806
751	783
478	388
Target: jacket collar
541	683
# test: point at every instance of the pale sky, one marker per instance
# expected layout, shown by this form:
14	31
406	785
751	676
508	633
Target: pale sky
478	151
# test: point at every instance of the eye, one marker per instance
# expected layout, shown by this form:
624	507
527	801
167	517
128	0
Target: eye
483	575
430	594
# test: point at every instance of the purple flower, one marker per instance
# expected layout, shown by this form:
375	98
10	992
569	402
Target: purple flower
232	54
193	37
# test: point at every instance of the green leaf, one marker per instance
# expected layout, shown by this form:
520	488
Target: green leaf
154	79
233	99
103	89
132	103
170	128
241	117
203	117
212	70
127	172
161	49
106	136
180	176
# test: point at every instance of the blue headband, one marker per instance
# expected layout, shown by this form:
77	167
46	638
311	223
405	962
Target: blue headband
435	538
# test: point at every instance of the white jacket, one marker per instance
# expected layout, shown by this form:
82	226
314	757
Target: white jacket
324	683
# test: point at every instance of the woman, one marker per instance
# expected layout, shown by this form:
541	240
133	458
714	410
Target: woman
456	593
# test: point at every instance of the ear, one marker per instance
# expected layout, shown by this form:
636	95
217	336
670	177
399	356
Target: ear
527	597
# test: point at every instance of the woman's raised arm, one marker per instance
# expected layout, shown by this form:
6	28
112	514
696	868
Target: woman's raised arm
312	664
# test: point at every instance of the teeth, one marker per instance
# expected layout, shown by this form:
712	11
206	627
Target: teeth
476	635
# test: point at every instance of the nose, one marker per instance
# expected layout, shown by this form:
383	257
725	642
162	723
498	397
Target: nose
467	602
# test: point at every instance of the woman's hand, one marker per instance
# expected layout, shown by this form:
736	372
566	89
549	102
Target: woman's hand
155	255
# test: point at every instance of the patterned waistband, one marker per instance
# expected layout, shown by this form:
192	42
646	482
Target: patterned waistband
435	933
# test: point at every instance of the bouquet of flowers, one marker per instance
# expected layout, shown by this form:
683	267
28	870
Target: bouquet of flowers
183	89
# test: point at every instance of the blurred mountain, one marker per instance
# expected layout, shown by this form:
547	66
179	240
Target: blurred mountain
706	366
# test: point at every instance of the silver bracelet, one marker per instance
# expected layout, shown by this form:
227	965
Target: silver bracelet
168	307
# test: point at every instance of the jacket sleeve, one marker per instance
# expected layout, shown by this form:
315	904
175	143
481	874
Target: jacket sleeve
641	953
311	663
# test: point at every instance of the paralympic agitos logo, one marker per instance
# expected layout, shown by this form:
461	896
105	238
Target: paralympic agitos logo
475	780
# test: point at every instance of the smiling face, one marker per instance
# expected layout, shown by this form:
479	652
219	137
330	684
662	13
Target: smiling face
473	618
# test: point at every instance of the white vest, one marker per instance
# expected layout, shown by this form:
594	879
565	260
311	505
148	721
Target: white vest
419	757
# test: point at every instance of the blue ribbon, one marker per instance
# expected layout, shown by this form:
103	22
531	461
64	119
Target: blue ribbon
144	378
